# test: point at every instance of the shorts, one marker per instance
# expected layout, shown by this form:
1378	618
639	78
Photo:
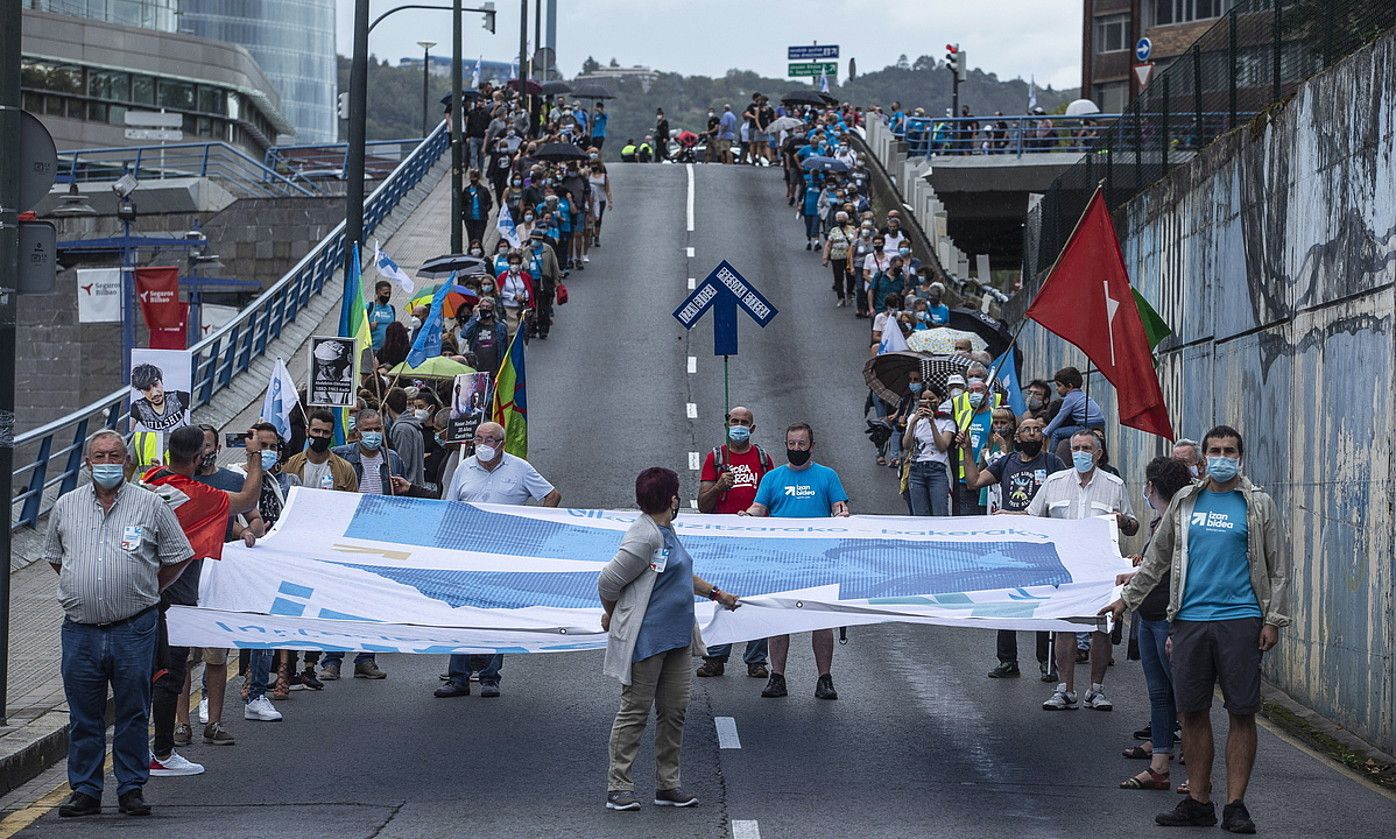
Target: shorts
209	655
1211	653
724	146
761	137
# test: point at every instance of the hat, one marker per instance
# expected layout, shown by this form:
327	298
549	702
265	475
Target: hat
954	379
536	234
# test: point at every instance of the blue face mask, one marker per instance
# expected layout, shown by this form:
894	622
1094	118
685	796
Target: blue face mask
269	459
916	387
372	440
738	434
108	475
1223	468
976	399
1083	461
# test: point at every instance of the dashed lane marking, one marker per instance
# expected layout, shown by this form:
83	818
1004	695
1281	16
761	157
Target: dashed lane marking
690	252
745	829
692	281
690	200
693	410
693	364
727	733
693	461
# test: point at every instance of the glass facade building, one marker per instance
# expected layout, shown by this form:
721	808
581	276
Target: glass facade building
160	15
292	40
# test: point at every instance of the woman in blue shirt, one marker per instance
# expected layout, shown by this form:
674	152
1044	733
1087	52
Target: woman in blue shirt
647	593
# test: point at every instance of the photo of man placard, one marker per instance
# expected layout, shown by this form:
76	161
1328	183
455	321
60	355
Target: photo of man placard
332	372
160	389
470	401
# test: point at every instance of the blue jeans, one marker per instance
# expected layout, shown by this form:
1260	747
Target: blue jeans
258	673
811	227
755	652
1158	675
338	658
893	447
929	486
462	666
93	657
1064	433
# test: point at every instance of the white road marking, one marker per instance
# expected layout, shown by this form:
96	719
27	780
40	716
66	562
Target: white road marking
693	410
692	281
693	364
693	503
693	461
727	734
690	252
745	829
690	202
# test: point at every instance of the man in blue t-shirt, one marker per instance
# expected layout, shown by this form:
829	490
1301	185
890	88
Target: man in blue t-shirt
380	313
800	489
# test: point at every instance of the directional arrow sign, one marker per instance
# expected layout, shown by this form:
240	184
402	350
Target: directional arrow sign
724	291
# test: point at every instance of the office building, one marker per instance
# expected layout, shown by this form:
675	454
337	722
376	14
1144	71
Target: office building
1113	27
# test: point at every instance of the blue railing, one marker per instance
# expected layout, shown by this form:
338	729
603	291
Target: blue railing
52	454
311	163
1029	134
243	176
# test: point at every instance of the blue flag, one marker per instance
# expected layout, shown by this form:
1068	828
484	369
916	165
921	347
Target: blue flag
428	343
1006	374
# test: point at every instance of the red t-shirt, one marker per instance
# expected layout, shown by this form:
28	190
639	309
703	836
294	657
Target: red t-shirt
746	469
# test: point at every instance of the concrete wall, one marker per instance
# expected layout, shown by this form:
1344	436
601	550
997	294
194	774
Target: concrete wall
1272	256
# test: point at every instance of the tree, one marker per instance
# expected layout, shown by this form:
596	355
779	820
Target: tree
924	63
902	63
614	63
590	66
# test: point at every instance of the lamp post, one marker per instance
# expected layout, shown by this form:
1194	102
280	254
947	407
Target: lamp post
426	65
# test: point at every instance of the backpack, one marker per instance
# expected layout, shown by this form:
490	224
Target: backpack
720	460
838	244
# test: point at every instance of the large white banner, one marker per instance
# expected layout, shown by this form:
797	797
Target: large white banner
99	295
390	574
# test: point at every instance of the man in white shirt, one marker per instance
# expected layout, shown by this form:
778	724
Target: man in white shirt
491	476
1077	493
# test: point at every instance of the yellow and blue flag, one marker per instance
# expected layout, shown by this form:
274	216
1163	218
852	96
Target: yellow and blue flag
510	404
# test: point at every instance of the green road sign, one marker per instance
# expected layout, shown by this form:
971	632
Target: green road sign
814	68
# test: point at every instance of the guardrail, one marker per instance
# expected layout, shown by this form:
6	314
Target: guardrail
52	454
329	161
243	176
1015	135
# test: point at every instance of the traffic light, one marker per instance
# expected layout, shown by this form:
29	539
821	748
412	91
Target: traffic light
343	106
961	65
950	50
955	60
489	17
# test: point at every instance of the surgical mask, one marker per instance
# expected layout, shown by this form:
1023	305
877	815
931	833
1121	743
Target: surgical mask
904	251
269	459
1192	470
518	182
1031	448
528	217
108	475
1144	493
797	457
421	413
319	445
440	442
486	287
477	251
976	399
350	422
485	453
955	392
1035	404
916	387
537	247
1083	461
738	434
1223	468
206	462
372	440
513	268
415	322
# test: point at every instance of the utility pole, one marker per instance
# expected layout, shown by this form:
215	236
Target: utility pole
426	64
457	126
523	65
358	103
10	22
540	74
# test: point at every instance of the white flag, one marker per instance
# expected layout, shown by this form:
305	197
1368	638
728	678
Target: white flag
99	295
892	338
475	76
389	270
823	81
505	225
1032	93
280	399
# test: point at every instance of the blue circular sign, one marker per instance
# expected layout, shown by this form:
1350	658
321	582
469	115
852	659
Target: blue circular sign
1143	49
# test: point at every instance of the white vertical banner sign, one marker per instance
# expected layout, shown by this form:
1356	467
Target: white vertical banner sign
99	295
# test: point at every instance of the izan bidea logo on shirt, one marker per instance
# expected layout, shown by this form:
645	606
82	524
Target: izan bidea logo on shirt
800	491
1212	521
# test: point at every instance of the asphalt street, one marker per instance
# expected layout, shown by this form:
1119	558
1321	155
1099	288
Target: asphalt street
920	743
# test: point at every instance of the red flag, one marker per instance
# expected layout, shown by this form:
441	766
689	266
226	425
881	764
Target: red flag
1086	300
202	510
174	337
157	286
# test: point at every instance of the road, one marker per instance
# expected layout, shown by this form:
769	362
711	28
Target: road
920	743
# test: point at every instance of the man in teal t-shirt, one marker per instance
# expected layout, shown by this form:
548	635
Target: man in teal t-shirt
800	489
380	313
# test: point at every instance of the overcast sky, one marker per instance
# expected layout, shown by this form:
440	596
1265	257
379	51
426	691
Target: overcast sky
1012	38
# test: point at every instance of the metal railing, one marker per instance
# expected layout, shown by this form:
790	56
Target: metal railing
1252	57
52	454
243	176
1012	135
320	161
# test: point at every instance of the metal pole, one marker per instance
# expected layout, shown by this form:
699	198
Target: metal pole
1231	57
358	101
128	298
538	39
523	64
726	389
10	23
426	64
457	126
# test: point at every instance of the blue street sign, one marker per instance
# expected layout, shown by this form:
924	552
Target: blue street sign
724	291
813	52
1143	49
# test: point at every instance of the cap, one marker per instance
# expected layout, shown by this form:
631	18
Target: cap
537	233
954	379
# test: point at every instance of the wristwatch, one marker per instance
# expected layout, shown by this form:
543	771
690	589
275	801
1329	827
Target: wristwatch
712	595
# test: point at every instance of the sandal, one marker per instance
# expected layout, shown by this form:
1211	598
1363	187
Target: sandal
1138	753
1152	780
1183	788
881	461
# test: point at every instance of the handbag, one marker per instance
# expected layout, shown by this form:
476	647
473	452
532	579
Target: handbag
561	293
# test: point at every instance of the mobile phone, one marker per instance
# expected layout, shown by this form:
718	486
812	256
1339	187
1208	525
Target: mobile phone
234	440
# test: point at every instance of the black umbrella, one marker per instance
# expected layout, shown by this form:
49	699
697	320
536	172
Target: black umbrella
440	267
468	93
995	333
592	90
803	97
828	100
561	151
531	87
888	375
556	87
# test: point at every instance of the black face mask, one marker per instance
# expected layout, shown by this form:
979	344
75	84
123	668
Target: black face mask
319	445
207	461
797	457
1030	448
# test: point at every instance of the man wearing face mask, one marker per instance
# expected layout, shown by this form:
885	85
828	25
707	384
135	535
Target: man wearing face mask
476	204
491	476
114	547
1221	543
1039	398
727	486
380	313
974	416
405	436
544	269
1019	477
1190	453
485	336
1078	493
800	489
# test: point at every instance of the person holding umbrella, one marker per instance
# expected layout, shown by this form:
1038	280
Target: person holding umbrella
516	294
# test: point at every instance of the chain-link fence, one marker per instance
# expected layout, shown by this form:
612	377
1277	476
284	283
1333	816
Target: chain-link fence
1252	57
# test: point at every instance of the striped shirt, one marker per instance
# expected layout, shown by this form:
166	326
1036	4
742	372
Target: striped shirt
1061	496
109	561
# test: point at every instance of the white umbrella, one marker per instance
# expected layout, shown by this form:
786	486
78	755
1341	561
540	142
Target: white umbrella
785	124
1082	108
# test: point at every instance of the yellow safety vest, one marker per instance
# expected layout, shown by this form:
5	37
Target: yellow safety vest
145	449
963	412
627	150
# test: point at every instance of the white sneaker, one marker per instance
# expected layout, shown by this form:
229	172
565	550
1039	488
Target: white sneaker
173	766
203	711
261	709
1060	700
586	258
1096	700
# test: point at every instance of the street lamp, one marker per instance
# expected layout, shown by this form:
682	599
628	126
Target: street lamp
426	64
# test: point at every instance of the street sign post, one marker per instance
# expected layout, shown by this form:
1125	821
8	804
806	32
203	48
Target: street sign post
1142	72
38	162
815	68
812	52
724	291
153	119
161	134
1143	48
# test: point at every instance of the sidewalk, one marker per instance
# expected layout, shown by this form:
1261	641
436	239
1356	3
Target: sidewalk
36	735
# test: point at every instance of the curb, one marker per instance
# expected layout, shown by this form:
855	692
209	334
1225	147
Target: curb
31	748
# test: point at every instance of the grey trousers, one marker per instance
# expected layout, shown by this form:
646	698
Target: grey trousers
662	682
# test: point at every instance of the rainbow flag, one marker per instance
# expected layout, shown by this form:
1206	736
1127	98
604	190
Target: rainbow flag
510	405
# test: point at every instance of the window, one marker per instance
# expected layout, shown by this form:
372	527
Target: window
1112	97
1186	11
50	76
109	85
210	99
143	90
1112	33
177	95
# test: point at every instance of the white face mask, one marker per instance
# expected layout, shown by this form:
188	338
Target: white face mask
416	322
485	453
421	413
